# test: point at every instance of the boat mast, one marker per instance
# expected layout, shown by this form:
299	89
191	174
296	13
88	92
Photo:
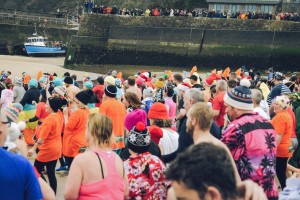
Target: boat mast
44	26
35	33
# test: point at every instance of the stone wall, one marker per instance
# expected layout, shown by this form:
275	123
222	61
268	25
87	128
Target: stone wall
165	41
14	35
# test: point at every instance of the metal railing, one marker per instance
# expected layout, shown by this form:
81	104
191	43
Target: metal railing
37	19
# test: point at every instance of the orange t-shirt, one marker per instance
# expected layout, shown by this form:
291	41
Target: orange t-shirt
41	111
116	111
74	133
283	123
50	132
289	109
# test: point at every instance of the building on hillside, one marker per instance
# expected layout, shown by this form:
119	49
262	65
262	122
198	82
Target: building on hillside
291	6
264	6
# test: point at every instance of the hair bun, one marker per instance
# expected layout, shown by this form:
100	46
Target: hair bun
245	82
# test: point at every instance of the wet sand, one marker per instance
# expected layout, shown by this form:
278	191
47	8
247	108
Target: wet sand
32	65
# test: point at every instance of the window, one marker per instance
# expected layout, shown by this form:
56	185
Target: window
250	8
234	8
219	7
266	9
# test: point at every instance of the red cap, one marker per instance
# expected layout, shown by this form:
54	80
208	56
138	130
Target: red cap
158	111
51	77
209	80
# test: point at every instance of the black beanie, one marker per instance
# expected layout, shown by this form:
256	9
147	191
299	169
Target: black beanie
84	96
56	103
68	80
111	91
139	139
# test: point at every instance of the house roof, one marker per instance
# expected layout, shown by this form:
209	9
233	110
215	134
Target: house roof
264	2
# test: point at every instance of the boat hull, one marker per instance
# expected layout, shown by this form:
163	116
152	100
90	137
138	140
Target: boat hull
32	50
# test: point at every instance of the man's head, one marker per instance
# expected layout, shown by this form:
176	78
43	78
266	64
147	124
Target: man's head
231	84
177	79
239	100
191	97
199	117
68	81
256	97
200	171
221	86
100	80
193	79
131	81
233	76
66	74
278	78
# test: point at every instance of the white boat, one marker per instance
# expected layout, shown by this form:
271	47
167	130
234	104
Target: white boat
40	46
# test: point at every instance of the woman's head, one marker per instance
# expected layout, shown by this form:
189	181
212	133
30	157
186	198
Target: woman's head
99	130
131	99
54	104
281	103
83	97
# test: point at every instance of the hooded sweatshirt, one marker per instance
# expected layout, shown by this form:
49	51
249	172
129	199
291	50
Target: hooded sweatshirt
18	91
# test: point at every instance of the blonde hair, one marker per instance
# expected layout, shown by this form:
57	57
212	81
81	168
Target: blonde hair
100	127
203	114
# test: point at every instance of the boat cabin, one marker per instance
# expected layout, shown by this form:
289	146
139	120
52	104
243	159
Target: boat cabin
36	39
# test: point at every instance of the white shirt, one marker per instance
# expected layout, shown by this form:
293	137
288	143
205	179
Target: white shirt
264	105
169	141
261	112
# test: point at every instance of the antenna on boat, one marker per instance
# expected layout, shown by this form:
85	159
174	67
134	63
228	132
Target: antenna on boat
44	26
35	33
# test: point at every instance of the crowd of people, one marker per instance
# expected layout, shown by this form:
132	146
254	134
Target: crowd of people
171	136
89	7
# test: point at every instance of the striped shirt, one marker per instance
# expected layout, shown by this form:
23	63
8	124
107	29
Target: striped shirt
278	90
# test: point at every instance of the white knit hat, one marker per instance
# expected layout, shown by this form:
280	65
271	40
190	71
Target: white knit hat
240	97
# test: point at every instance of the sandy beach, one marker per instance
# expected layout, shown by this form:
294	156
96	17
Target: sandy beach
32	65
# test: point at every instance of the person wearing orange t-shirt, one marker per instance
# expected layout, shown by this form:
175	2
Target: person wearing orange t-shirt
116	111
74	131
49	142
283	125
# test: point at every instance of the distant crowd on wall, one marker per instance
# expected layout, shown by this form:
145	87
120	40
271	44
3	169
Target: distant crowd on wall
89	7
